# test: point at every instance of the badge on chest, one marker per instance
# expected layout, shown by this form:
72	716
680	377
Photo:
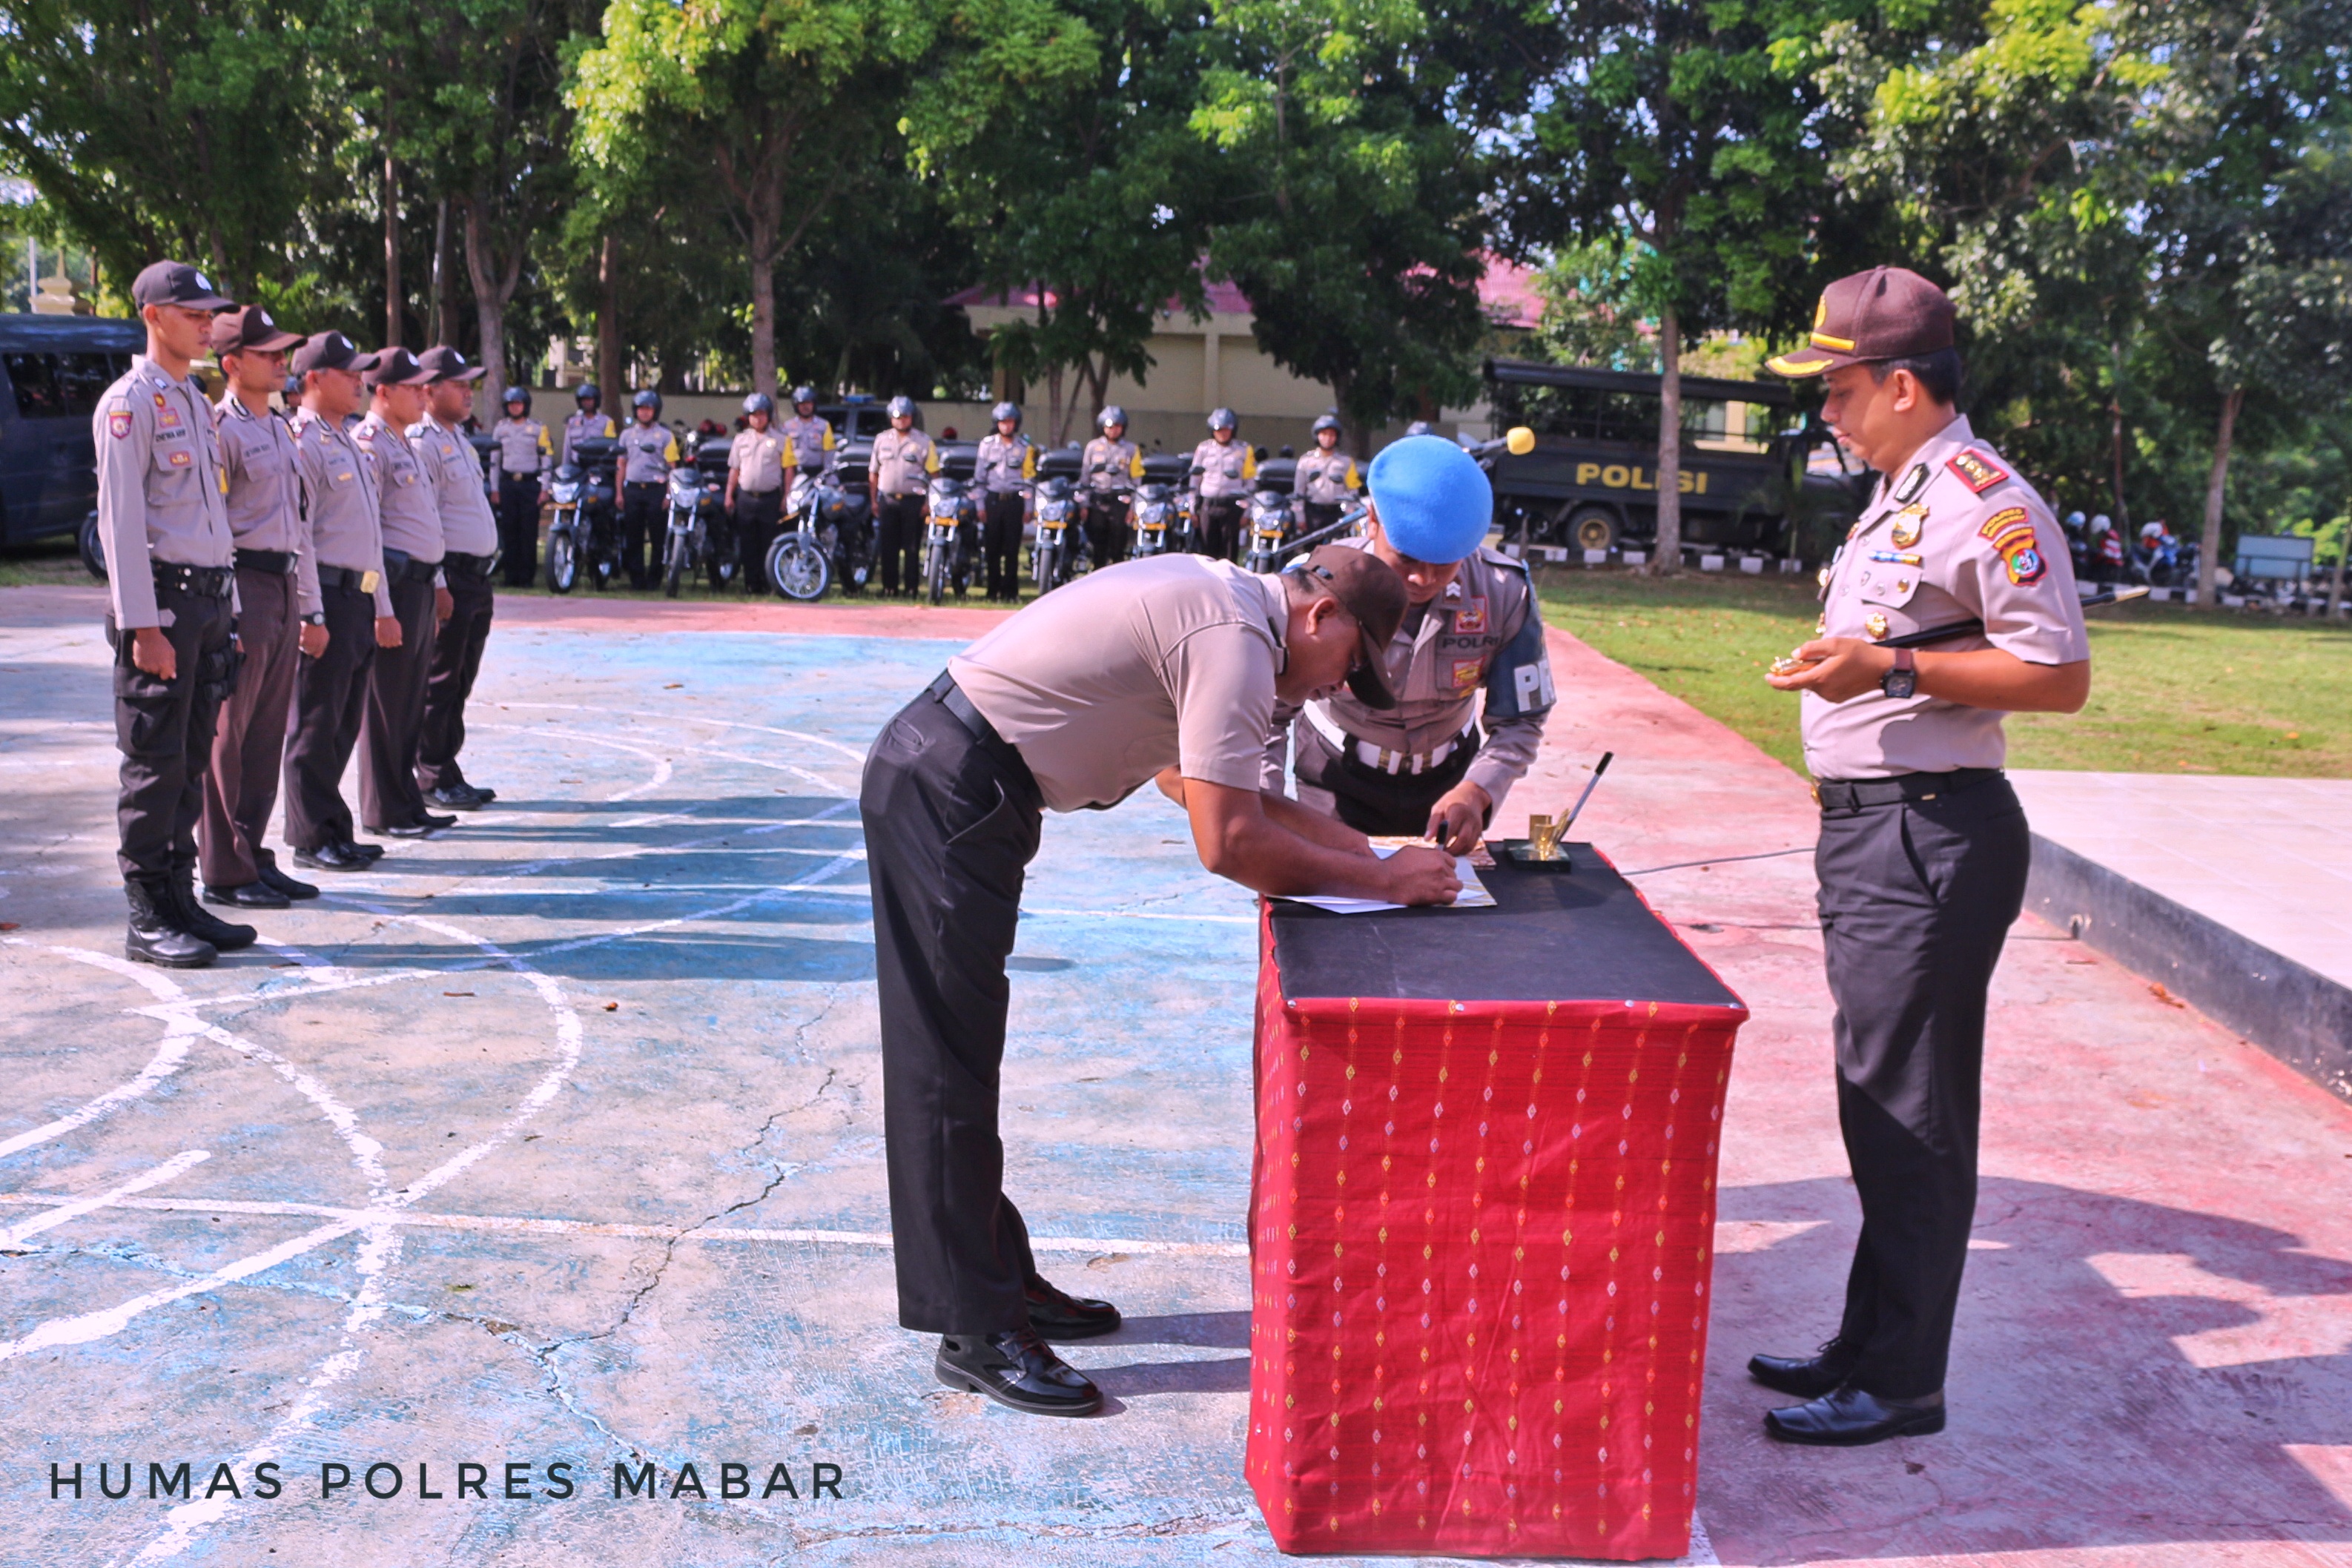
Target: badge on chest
1470	620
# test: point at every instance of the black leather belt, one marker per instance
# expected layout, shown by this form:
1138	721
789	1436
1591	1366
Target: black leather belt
1008	756
1855	794
203	581
348	576
272	562
399	567
468	565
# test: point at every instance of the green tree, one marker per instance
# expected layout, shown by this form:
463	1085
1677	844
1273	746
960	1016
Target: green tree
1682	132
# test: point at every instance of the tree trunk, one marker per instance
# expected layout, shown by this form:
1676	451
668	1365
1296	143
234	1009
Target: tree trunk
2336	579
492	289
2209	553
2115	435
1667	555
763	298
391	312
608	328
1057	417
436	320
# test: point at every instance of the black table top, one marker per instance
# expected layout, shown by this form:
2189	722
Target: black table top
1580	936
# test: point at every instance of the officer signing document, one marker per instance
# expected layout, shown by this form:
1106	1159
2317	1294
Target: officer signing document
1924	848
1175	661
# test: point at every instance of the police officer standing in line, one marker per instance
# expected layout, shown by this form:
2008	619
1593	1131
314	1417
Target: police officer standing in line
163	525
351	600
1072	703
1923	848
390	801
453	472
276	578
588	421
811	436
1223	468
1327	479
759	464
525	451
1006	473
648	451
896	480
1109	469
1471	630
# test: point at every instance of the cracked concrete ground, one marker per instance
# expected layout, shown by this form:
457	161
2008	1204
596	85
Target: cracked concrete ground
557	1140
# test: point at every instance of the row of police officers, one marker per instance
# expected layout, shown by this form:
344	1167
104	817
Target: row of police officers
286	589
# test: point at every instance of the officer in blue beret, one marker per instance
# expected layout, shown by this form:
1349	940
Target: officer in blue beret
1473	681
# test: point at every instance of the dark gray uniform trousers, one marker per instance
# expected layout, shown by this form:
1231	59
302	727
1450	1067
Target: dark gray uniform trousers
456	660
389	797
164	731
241	787
951	822
329	699
1916	898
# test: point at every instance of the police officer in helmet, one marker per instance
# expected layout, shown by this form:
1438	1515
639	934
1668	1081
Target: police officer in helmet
1223	468
1467	662
898	480
526	454
1328	478
1109	471
759	469
1005	472
588	420
648	451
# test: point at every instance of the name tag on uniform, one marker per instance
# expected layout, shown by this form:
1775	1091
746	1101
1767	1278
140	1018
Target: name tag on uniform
1471	619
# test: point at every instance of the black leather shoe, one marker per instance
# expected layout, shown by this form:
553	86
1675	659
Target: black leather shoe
428	823
369	852
272	877
1019	1370
201	924
457	797
156	938
333	857
247	896
1849	1418
1807	1377
484	796
1058	1315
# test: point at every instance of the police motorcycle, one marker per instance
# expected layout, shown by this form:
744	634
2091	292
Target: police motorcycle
951	531
583	530
824	538
1272	513
1056	552
698	538
2160	559
1159	510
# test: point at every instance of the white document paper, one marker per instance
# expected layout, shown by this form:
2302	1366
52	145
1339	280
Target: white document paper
1474	894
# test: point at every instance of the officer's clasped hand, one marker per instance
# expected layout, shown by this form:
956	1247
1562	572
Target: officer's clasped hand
153	652
1834	668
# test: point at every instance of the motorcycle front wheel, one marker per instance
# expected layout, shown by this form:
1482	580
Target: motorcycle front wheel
562	563
674	568
935	571
799	568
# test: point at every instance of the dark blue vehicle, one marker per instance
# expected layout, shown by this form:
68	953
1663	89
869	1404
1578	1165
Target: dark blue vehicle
53	370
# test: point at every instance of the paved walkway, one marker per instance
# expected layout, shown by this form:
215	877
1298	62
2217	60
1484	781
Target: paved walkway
560	1138
2269	858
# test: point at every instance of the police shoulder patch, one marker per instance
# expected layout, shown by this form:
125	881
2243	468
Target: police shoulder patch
118	422
2008	520
1977	471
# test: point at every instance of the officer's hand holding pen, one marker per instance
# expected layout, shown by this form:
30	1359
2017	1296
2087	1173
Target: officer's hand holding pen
153	652
1420	874
1455	820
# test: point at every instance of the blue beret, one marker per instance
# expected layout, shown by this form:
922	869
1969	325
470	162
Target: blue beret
1435	503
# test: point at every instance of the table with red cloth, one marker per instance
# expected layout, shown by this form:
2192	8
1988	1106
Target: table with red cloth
1482	1222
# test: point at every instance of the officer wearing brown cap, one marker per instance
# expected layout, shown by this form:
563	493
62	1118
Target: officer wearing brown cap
352	603
275	578
163	524
1073	704
1923	850
453	472
390	801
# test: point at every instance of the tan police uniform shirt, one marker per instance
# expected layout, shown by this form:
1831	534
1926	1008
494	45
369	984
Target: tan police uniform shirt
1956	535
525	449
758	459
1005	464
1224	469
1108	679
339	503
1476	654
1328	478
811	438
648	453
1108	465
161	494
404	501
265	493
903	464
453	470
581	428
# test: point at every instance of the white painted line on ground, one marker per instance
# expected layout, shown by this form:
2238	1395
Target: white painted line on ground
854	756
178	1163
169	1058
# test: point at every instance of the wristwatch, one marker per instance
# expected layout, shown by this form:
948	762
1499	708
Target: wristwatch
1901	680
315	617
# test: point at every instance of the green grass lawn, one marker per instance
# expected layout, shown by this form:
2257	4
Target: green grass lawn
45	561
2173	690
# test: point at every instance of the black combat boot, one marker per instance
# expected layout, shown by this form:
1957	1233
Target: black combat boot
201	923
156	935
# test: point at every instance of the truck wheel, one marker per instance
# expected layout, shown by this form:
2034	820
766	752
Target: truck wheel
1591	527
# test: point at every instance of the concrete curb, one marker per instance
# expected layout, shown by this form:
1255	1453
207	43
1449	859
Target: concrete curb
2298	1015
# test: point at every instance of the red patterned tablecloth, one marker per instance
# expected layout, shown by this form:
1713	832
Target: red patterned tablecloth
1481	1245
